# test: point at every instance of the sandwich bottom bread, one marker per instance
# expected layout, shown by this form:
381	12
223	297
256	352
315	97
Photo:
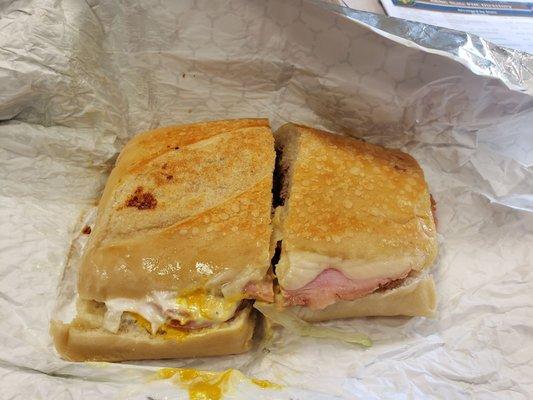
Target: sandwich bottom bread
85	339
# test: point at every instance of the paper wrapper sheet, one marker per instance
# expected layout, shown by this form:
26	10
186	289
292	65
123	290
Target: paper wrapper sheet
79	78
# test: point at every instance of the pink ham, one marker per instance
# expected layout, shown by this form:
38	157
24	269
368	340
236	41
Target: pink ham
263	290
332	285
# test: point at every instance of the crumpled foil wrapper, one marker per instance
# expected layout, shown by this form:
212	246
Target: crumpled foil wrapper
78	78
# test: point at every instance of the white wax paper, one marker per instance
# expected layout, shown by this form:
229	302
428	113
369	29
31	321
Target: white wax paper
78	78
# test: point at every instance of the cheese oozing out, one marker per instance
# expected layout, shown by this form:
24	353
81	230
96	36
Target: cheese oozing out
298	268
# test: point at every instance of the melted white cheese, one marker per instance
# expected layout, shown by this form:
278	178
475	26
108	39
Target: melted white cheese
298	268
232	285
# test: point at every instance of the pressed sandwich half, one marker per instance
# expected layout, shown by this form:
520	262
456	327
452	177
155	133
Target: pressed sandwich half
180	244
356	228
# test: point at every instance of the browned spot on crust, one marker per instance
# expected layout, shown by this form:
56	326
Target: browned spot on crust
169	177
398	168
86	230
176	148
141	200
164	166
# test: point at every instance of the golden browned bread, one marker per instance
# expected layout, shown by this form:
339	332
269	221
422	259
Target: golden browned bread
355	200
182	204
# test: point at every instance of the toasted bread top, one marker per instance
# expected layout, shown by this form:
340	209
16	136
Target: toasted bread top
182	204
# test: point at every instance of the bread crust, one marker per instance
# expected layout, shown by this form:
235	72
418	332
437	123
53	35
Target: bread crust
173	213
415	298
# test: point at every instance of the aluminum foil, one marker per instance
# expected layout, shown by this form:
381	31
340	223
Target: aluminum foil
78	78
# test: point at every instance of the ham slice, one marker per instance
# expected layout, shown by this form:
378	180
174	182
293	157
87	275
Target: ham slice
262	290
332	285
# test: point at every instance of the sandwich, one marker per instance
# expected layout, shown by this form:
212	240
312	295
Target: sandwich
354	228
180	247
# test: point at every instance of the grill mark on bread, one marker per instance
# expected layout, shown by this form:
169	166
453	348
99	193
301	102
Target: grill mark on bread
141	200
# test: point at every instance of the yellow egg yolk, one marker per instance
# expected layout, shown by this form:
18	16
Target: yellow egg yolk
141	321
207	385
202	306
